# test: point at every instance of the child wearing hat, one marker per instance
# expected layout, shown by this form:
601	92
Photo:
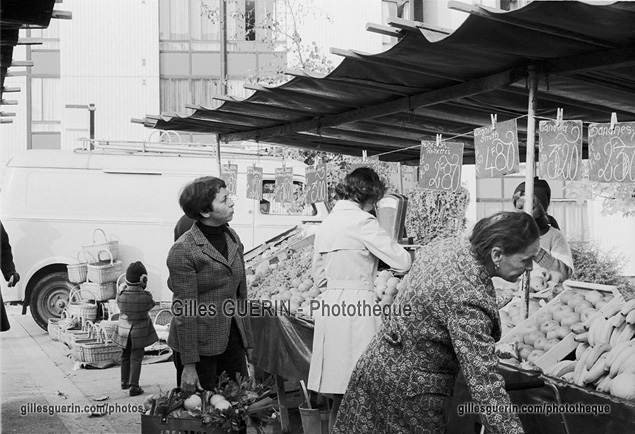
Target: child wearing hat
135	330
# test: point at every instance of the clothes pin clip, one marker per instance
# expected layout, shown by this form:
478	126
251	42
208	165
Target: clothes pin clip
613	122
494	121
438	140
559	117
364	155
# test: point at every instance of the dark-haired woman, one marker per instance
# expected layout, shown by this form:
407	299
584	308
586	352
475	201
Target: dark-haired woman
555	253
401	383
348	246
207	269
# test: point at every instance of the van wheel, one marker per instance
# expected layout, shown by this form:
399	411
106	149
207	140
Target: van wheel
49	297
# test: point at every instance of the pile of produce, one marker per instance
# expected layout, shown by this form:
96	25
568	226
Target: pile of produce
232	405
603	344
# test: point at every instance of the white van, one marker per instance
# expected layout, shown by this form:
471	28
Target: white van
52	201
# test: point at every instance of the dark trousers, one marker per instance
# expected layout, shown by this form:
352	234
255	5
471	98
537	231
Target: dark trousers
131	364
233	360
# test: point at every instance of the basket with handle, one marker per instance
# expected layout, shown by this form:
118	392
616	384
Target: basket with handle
161	322
107	326
77	272
67	322
101	291
83	309
71	336
53	328
104	271
89	337
103	349
103	244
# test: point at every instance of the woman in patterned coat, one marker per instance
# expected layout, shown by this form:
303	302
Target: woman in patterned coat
402	382
207	279
348	246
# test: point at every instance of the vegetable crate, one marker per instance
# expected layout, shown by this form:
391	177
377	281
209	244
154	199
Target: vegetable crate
155	424
568	343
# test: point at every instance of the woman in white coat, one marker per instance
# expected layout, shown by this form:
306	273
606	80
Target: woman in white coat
348	246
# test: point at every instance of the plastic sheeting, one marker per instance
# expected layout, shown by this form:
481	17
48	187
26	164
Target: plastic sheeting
620	420
282	346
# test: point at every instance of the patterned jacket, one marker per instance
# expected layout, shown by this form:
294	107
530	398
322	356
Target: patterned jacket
134	304
205	288
454	325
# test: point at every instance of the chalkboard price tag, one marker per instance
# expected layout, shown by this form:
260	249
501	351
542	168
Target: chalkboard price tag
254	182
316	184
560	149
612	152
496	150
440	165
229	174
284	184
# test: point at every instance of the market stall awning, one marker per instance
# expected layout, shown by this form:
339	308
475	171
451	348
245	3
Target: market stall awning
16	15
431	82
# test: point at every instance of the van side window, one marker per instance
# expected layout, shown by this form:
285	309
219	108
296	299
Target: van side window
269	205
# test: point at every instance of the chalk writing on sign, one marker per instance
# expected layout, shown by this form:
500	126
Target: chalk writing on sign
560	149
440	165
284	184
612	152
316	183
254	182
229	174
372	162
496	150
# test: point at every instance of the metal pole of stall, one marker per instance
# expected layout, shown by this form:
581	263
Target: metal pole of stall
532	83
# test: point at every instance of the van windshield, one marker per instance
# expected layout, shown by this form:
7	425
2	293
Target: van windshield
298	207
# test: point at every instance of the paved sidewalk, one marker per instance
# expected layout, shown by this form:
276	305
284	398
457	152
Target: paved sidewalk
38	371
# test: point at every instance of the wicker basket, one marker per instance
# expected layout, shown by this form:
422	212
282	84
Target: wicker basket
110	245
161	322
77	272
70	337
100	351
108	327
83	309
67	322
54	328
100	291
104	271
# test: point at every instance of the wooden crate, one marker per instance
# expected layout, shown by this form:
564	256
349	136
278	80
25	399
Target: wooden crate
568	343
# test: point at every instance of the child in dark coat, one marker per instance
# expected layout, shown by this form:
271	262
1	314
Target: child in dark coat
135	330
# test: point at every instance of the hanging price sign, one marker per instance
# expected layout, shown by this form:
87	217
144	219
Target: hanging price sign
612	152
254	182
440	165
229	174
372	162
284	184
496	150
316	183
560	149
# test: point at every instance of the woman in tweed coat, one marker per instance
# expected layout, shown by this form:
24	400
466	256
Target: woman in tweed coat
134	329
207	279
402	381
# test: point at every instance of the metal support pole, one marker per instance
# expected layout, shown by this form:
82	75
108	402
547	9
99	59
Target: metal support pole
91	110
223	47
532	82
220	166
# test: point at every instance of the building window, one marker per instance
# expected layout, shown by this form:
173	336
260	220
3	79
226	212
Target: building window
250	20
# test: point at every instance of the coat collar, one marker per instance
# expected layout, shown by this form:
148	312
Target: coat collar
343	204
209	250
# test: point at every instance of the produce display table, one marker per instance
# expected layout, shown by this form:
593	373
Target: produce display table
620	420
282	347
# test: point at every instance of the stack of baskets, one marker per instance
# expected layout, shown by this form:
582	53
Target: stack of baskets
96	275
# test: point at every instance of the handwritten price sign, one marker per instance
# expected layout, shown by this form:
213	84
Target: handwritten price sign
316	184
560	149
254	182
284	184
496	150
229	174
612	153
440	165
372	162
